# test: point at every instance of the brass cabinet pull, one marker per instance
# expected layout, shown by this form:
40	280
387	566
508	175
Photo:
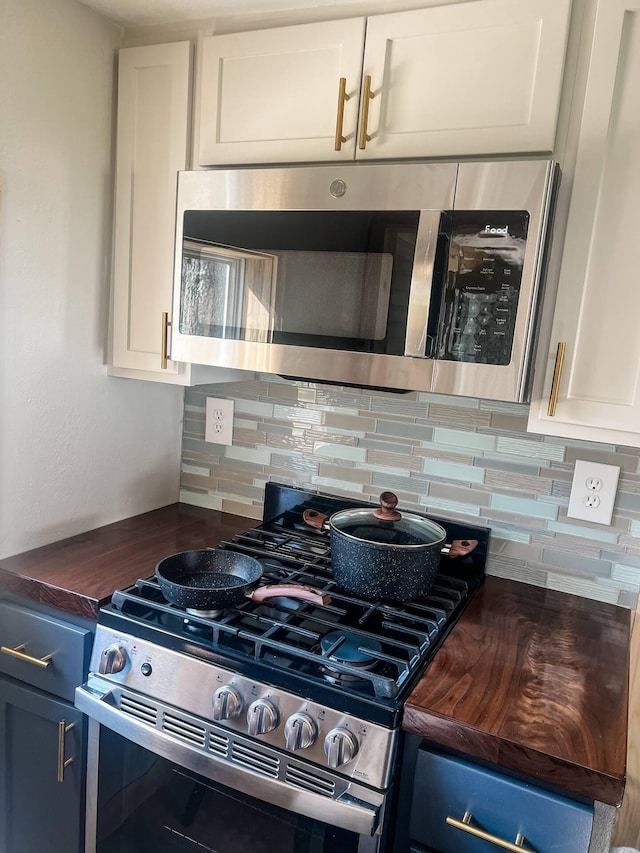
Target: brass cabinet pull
465	826
555	384
367	95
18	652
62	764
342	98
163	344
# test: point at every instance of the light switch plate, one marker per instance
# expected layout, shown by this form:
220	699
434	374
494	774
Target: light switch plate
593	491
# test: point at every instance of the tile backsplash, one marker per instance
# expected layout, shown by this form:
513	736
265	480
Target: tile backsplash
452	457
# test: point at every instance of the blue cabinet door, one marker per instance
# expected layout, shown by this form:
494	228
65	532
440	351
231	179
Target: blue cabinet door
447	787
41	801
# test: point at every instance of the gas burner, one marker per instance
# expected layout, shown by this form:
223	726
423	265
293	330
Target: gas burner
352	653
350	648
203	614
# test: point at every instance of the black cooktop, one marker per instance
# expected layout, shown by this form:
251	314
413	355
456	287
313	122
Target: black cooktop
358	655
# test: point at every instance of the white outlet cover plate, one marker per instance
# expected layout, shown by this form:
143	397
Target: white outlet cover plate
218	425
582	494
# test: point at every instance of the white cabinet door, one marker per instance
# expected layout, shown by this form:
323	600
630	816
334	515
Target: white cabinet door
598	301
154	90
465	79
273	95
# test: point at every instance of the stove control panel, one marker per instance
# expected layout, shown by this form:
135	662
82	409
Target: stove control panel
361	750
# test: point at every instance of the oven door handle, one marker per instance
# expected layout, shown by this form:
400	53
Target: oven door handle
349	811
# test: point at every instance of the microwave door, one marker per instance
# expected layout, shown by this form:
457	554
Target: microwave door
227	293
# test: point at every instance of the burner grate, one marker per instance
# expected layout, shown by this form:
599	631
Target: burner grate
281	639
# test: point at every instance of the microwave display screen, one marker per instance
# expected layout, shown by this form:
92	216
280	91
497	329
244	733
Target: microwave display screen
331	279
482	288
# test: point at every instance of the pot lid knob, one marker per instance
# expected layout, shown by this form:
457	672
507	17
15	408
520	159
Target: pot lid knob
388	511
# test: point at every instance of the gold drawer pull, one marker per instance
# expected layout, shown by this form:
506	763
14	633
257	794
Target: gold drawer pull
163	340
18	652
342	98
465	826
62	764
366	97
555	384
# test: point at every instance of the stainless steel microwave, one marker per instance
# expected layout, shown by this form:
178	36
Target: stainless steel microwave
406	276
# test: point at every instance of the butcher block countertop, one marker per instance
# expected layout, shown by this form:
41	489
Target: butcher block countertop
531	680
81	573
534	681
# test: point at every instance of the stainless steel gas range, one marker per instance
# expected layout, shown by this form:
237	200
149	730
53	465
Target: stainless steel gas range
270	725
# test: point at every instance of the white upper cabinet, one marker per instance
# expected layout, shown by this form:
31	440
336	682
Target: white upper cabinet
154	90
598	303
466	79
275	95
482	77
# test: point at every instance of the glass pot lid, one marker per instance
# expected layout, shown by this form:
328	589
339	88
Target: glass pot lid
385	525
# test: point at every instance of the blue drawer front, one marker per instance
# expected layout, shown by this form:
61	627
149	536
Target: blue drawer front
449	787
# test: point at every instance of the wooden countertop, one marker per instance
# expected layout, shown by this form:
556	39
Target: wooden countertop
531	680
79	574
536	682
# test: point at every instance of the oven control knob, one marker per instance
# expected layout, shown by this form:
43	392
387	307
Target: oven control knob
112	660
262	717
300	732
340	747
227	703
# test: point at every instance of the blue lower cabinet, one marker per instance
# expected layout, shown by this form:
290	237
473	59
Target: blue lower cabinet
454	802
42	772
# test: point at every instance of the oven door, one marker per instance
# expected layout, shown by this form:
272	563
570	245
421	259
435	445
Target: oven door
156	791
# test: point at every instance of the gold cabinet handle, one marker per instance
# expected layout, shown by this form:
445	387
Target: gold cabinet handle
465	826
18	652
367	95
62	764
555	384
163	342
342	98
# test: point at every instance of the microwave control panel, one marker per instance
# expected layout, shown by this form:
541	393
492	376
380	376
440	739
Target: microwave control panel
482	286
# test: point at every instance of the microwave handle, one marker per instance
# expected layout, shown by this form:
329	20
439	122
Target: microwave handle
421	290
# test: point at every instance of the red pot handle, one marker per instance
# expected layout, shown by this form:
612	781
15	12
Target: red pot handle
306	593
315	519
459	548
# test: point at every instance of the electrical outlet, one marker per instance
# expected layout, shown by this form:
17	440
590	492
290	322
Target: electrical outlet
218	424
593	491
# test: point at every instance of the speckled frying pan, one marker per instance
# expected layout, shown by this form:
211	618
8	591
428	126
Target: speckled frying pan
212	579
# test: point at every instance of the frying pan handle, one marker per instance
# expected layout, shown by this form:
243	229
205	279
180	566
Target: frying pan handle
316	519
306	593
459	548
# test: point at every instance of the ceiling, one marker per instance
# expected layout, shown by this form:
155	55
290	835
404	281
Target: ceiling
144	13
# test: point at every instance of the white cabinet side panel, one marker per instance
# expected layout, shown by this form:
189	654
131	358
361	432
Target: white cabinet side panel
153	112
598	295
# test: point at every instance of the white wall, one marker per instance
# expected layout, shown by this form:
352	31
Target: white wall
78	449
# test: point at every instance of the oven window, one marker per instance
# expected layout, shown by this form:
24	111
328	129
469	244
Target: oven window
149	805
330	279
